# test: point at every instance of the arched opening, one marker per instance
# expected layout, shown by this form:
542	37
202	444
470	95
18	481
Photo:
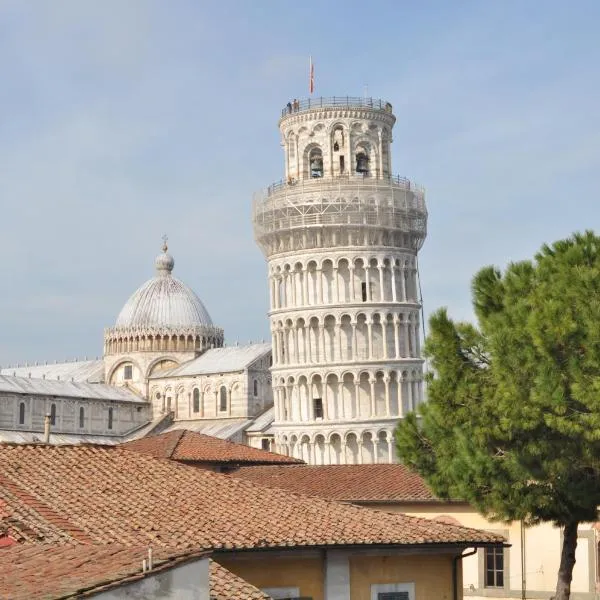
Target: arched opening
255	387
315	162
22	413
223	399
53	414
110	418
81	417
196	400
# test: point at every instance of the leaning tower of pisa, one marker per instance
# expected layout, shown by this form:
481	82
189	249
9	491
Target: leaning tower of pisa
341	236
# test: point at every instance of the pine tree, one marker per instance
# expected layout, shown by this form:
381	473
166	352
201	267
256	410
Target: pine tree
512	422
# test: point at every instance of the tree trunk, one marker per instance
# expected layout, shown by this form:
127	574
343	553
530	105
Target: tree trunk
567	561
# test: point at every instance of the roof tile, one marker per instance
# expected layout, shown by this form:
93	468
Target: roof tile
349	483
116	496
191	446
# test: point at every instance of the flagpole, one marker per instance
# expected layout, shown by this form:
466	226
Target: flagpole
311	76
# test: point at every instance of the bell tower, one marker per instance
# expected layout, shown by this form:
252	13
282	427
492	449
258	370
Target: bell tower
341	236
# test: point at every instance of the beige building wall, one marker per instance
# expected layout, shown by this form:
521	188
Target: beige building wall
542	548
350	574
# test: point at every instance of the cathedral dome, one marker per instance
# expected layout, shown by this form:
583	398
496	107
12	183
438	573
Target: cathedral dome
163	302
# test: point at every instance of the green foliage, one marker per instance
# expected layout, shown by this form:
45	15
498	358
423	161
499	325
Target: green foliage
512	422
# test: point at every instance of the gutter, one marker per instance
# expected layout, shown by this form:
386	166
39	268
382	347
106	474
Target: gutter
455	571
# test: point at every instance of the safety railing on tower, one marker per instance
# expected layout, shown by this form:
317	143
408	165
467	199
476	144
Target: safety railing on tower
294	106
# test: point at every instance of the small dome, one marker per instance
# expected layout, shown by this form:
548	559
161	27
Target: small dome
163	301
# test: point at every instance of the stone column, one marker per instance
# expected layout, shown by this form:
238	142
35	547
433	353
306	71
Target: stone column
305	301
372	384
341	412
381	288
319	286
383	319
325	401
322	353
386	380
396	337
394	293
369	340
403	284
352	288
356	399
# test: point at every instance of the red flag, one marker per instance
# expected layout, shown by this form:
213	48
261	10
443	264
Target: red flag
311	77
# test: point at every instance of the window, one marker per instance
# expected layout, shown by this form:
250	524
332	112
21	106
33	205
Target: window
22	413
255	385
81	416
128	372
265	444
110	418
318	408
316	162
196	397
363	289
494	567
53	414
223	398
393	591
342	165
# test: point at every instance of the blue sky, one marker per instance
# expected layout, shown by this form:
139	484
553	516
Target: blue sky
125	120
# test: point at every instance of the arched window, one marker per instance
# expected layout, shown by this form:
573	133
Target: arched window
22	413
362	162
315	162
81	416
53	414
196	396
110	418
223	398
256	387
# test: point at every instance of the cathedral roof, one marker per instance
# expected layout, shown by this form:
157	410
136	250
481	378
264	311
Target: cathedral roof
219	360
163	301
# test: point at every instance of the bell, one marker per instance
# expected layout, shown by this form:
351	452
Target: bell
362	163
316	166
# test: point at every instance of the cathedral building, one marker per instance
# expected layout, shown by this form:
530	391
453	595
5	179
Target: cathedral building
164	366
341	235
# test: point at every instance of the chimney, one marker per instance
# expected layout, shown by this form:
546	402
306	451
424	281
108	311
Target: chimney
47	429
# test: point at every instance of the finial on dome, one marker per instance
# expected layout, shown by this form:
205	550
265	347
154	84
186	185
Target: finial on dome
164	262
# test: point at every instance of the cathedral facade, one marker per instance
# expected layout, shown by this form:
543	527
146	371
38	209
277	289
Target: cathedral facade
341	235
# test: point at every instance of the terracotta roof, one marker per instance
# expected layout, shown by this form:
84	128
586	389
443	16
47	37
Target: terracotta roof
112	495
224	585
191	446
349	483
48	572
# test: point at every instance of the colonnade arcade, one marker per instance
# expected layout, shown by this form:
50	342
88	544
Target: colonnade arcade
347	395
121	341
346	337
333	448
358	279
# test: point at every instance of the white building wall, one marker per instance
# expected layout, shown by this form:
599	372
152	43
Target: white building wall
126	416
188	582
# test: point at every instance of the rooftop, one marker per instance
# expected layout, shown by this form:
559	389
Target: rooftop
105	494
90	371
190	446
219	360
52	572
348	483
66	389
